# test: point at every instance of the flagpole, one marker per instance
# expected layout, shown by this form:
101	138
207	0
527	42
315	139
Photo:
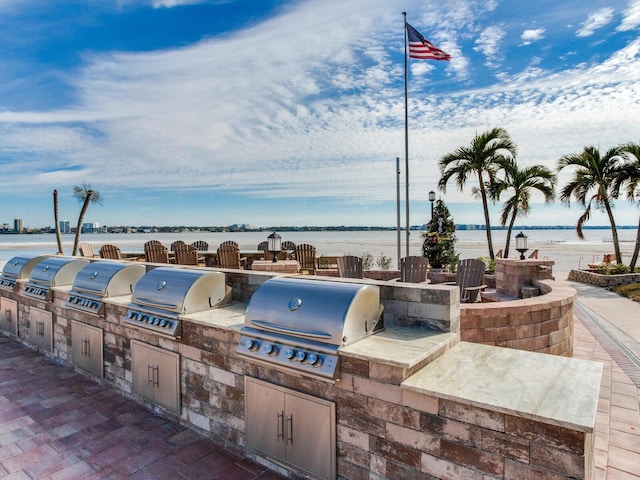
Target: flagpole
399	242
406	132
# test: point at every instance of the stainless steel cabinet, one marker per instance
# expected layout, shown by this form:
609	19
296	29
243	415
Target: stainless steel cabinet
86	347
291	427
9	315
39	329
156	375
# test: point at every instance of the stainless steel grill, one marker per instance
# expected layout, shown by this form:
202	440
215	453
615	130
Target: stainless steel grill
52	272
100	280
165	293
300	324
18	268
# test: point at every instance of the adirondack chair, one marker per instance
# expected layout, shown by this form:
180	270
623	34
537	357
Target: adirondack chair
350	266
86	250
175	244
230	242
229	257
201	245
306	257
156	253
290	248
413	269
110	251
187	255
469	278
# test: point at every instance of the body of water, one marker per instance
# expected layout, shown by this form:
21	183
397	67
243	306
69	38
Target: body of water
562	246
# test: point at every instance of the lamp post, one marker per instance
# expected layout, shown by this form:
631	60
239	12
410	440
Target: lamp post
432	198
521	244
274	244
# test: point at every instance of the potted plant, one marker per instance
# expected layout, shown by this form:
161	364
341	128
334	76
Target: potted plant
440	238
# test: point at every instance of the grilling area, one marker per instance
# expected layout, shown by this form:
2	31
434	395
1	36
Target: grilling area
317	377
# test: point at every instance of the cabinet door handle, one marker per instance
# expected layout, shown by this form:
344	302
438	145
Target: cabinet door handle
149	374
86	347
40	329
280	426
7	315
156	376
290	428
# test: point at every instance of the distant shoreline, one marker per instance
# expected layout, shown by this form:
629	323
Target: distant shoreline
231	229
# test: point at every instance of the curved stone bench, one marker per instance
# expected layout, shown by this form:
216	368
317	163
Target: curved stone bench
538	324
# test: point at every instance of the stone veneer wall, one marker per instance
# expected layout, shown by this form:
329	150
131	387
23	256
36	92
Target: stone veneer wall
513	274
383	430
539	324
604	281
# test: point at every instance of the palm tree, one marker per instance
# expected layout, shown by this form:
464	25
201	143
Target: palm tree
479	160
521	183
86	195
630	177
57	220
592	183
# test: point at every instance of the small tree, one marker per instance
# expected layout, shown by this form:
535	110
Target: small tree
84	194
440	239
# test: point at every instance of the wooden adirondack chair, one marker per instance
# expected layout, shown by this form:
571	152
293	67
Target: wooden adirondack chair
413	269
350	266
230	242
229	257
470	278
201	245
306	257
156	253
187	255
175	244
111	252
86	250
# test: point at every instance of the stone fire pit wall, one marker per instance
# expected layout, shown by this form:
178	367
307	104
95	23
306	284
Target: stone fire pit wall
541	324
513	274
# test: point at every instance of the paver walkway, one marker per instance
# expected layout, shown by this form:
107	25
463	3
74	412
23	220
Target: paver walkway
56	424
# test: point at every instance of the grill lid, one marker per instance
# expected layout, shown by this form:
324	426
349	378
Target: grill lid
331	312
21	266
179	290
108	279
55	271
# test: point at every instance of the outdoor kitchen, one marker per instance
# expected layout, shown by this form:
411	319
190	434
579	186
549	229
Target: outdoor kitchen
315	377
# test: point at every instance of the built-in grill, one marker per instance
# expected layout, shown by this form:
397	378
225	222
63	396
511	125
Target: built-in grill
100	280
165	293
18	268
300	324
52	272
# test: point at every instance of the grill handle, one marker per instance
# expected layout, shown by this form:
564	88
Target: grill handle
280	426
291	331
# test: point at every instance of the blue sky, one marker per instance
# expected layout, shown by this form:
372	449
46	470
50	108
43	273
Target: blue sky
281	112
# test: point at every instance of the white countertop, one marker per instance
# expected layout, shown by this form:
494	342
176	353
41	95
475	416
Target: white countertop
551	389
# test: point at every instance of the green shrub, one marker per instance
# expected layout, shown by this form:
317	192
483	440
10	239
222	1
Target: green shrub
612	269
367	261
383	262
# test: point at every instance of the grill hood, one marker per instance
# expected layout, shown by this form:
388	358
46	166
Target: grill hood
18	268
56	271
108	279
324	311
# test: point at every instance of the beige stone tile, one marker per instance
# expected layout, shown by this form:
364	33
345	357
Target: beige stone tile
624	460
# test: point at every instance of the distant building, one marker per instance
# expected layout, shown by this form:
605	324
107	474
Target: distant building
17	225
65	227
92	227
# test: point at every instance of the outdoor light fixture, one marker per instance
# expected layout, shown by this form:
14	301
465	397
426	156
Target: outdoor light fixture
274	244
521	244
432	198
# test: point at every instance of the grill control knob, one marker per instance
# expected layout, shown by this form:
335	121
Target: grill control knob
270	349
290	353
301	356
251	344
314	359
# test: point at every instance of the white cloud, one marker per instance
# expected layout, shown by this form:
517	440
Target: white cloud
631	17
532	35
489	41
595	21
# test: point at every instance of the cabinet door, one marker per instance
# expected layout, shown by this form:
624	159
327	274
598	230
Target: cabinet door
9	315
41	331
156	375
310	436
264	419
86	347
166	380
142	369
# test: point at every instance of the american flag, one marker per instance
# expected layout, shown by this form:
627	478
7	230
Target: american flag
423	49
